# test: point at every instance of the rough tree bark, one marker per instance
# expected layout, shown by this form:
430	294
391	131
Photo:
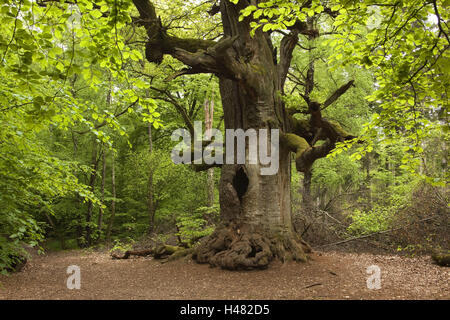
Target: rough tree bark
255	209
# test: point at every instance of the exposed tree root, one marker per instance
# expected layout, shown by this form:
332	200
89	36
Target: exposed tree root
234	248
183	252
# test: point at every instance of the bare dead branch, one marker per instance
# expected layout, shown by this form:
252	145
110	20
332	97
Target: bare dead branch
339	92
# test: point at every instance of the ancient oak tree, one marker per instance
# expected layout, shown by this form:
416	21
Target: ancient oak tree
255	209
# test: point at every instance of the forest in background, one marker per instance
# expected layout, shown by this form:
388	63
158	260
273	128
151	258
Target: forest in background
86	124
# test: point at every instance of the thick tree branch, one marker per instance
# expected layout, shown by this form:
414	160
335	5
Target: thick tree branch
159	42
303	137
215	59
202	56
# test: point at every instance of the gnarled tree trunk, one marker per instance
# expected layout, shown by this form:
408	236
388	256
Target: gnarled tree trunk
255	209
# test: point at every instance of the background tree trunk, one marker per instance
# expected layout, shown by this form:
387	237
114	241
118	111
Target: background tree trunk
151	201
368	182
100	213
306	192
77	204
92	178
113	201
100	210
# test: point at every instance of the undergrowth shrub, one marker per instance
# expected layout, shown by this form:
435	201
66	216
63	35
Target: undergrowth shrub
201	223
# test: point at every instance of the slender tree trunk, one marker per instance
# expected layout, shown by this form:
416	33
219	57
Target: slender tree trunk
367	162
78	200
92	178
77	204
113	201
151	200
307	198
211	186
100	211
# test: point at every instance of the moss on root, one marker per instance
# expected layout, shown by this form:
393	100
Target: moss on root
178	254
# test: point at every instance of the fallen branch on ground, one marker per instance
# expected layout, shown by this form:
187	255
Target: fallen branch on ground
158	252
312	285
441	259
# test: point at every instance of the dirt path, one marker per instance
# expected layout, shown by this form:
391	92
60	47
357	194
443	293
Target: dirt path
330	275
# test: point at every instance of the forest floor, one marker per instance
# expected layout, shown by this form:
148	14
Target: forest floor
329	275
